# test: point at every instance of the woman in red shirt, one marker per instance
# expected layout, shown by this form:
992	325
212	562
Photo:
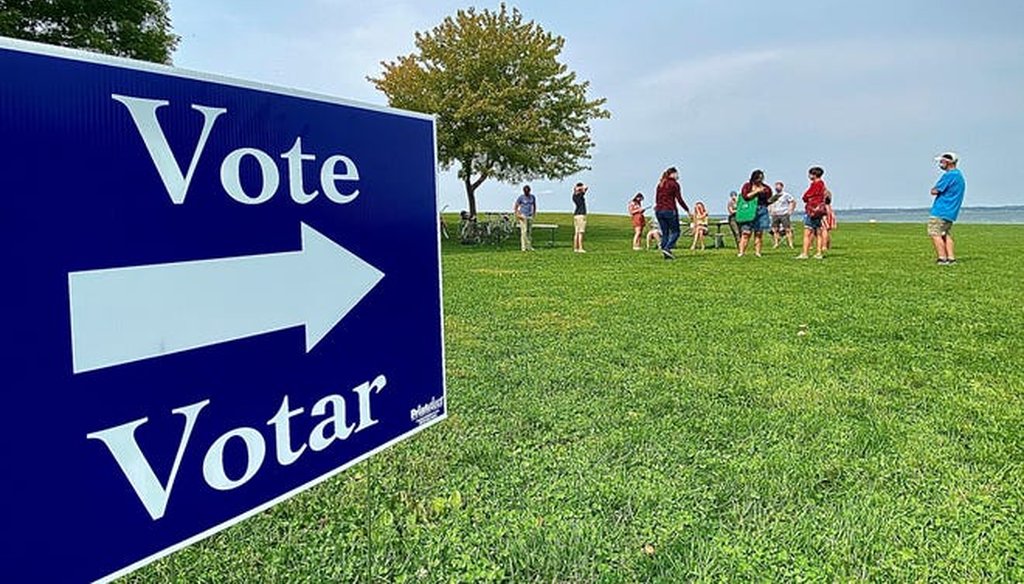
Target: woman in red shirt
814	212
668	194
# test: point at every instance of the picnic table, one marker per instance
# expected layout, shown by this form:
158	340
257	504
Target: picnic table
550	227
719	238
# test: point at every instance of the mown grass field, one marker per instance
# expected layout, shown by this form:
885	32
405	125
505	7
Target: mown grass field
620	418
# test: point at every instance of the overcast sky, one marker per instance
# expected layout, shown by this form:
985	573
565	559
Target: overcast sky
870	90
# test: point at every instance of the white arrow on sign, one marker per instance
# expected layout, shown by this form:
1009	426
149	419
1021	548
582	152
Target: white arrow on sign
122	315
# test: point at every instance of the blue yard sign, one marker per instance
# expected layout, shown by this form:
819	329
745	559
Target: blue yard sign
216	294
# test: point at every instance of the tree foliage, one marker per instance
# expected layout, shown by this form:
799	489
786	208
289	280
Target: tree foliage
506	107
139	29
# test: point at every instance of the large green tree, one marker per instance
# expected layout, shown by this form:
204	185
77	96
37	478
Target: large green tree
139	29
506	107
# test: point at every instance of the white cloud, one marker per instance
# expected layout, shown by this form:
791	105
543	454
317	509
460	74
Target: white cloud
840	90
330	46
709	72
852	104
852	101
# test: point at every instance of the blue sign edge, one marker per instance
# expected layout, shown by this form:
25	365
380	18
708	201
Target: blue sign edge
30	47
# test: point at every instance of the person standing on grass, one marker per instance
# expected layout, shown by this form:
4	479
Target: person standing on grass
636	215
525	209
733	225
949	196
781	210
667	195
814	213
579	216
755	188
828	222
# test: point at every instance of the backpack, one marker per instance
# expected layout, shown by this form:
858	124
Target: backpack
817	211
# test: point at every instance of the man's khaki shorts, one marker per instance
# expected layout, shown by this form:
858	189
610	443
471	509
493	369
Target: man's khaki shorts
939	227
579	222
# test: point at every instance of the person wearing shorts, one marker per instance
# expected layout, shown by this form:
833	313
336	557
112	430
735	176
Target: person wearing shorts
755	188
579	216
949	196
814	213
781	210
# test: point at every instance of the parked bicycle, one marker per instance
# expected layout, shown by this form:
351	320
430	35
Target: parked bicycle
494	228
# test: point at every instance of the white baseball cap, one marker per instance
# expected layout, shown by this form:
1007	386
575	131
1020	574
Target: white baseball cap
948	156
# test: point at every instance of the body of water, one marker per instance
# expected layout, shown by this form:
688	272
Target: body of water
1013	214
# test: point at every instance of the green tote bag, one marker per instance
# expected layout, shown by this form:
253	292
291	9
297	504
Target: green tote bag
745	210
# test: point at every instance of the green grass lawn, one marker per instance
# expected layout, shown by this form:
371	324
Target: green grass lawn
620	418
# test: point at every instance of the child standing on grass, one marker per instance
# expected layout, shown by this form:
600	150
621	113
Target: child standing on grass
700	224
814	213
636	214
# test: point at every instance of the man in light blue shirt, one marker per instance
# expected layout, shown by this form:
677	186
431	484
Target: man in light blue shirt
524	209
949	195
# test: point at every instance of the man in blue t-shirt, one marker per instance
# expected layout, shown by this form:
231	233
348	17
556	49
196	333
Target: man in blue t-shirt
949	195
524	209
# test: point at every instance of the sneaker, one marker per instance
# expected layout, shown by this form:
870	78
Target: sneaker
942	262
637	248
739	255
818	256
802	256
757	254
667	254
951	262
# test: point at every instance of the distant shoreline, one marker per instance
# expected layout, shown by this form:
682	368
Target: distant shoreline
1002	215
1010	208
1009	215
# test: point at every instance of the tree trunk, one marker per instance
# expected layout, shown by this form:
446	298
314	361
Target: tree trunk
471	197
471	187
